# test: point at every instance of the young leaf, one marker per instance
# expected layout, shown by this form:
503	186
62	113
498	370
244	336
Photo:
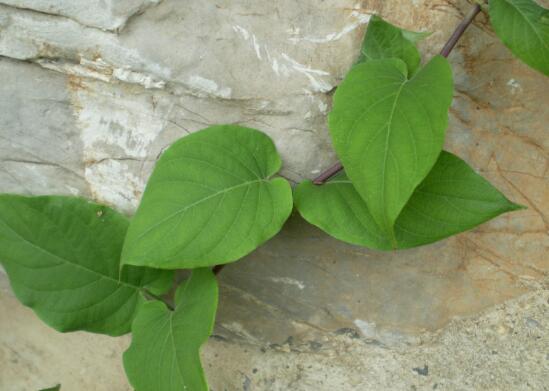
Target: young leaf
164	353
523	26
383	40
62	257
210	200
54	388
388	130
451	199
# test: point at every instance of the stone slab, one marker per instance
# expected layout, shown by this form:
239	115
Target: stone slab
86	111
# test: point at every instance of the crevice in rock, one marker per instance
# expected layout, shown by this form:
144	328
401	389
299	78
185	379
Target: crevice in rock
177	89
119	159
42	163
54	15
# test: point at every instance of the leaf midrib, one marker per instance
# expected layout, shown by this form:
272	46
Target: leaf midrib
64	260
172	314
386	153
443	195
187	207
174	348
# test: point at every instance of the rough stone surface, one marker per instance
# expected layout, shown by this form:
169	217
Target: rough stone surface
102	14
502	349
90	98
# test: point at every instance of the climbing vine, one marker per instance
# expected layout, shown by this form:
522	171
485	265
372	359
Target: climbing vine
214	197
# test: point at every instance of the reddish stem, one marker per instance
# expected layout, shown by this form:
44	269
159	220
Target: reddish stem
327	174
460	29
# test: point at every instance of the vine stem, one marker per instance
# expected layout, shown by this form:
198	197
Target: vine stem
460	29
445	52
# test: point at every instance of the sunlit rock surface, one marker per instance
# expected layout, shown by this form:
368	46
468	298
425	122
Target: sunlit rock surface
91	94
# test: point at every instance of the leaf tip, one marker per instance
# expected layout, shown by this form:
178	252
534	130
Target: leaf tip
513	206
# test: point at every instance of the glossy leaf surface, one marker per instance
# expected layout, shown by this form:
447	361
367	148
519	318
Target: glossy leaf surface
451	199
164	353
210	200
62	256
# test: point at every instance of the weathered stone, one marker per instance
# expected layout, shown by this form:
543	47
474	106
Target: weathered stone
103	14
113	133
40	151
497	350
85	111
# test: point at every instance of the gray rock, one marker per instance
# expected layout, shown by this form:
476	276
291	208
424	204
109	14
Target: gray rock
40	151
87	111
103	14
459	358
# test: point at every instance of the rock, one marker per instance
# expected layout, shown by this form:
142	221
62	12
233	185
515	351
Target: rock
40	151
423	371
102	14
91	99
459	357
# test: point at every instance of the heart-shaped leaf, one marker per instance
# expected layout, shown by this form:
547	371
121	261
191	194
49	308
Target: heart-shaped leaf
451	199
384	40
210	200
164	353
523	26
62	256
388	130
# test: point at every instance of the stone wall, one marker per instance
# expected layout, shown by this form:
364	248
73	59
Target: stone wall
92	92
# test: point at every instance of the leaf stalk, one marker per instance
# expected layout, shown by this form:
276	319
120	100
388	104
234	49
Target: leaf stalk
460	29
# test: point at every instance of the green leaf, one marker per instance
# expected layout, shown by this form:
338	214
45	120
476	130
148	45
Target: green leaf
337	208
62	256
54	388
210	200
415	36
164	353
161	284
384	40
451	199
388	130
523	26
